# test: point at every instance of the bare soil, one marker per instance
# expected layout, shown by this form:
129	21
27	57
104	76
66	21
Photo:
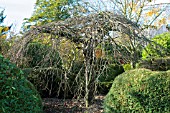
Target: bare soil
53	105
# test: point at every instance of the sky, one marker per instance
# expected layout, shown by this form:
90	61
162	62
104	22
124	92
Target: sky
17	10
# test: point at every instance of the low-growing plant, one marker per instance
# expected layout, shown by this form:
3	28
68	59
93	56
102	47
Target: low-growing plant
17	94
127	67
139	91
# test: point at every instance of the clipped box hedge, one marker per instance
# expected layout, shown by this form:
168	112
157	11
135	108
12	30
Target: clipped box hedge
156	64
17	94
139	91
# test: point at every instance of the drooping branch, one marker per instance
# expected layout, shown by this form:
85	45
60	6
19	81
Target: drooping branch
88	31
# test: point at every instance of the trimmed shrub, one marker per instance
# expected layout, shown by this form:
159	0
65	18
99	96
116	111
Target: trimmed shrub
17	94
139	91
127	67
159	47
156	64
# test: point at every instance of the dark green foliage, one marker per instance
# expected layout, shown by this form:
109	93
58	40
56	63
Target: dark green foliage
17	94
156	64
46	80
160	47
111	71
57	10
106	74
41	55
50	81
44	68
139	91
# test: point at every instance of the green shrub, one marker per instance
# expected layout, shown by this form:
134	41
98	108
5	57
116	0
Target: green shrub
46	80
139	91
156	64
43	68
107	76
127	67
110	72
17	94
41	55
160	48
49	81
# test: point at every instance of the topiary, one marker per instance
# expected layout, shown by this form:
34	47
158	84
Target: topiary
139	91
160	47
17	94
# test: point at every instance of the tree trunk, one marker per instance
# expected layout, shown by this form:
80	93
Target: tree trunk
89	60
87	84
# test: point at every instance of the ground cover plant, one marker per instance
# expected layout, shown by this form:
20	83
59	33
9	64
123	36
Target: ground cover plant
141	91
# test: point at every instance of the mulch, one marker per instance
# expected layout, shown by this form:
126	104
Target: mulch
54	105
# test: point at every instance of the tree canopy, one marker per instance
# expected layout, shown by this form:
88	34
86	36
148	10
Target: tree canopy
46	11
88	31
3	34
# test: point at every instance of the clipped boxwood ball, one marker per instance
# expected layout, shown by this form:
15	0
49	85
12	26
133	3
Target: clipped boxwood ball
139	91
17	94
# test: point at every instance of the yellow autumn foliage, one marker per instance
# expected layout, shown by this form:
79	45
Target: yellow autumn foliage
99	53
162	21
152	12
3	36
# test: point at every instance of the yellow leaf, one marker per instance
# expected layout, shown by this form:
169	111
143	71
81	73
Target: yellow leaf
3	37
99	53
150	13
162	21
5	29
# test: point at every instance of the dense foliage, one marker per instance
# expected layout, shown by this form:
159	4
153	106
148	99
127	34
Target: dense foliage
43	66
57	10
4	45
141	91
17	94
41	55
156	64
107	75
159	47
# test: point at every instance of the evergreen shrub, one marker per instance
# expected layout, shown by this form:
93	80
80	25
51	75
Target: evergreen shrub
160	47
17	94
139	91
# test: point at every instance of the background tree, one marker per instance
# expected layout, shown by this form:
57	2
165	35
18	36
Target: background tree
4	45
143	14
46	11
